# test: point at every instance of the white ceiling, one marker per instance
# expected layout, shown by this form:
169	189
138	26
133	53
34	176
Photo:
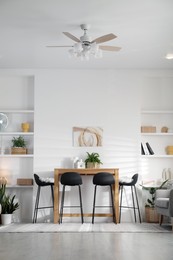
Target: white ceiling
144	29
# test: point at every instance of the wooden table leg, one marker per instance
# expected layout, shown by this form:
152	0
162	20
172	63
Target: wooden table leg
56	196
116	195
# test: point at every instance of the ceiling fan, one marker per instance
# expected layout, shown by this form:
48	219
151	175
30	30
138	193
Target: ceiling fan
85	45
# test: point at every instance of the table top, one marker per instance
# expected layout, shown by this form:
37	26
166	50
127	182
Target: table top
86	171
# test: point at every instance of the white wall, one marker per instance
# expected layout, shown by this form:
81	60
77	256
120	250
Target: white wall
86	98
108	98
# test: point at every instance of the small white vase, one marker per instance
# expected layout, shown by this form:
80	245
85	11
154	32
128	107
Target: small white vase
6	219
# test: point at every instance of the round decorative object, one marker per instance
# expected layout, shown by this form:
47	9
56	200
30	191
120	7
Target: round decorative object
3	121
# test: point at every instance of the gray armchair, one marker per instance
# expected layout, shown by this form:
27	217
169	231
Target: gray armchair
164	203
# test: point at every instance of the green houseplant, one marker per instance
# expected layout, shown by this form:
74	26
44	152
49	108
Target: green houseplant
152	191
93	160
8	204
150	211
8	207
18	145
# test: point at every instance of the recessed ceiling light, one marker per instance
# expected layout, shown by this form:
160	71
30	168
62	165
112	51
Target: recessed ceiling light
169	56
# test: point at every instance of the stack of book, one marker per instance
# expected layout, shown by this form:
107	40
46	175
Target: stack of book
146	149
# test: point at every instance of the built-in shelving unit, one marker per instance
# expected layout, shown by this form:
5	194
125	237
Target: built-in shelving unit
158	140
155	163
17	102
16	117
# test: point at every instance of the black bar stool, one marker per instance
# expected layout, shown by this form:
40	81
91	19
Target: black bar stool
40	184
131	184
103	179
70	179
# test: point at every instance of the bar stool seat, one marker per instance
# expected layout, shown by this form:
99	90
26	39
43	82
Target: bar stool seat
42	183
131	184
103	179
70	179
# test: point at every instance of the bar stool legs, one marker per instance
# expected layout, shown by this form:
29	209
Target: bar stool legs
70	179
36	208
133	190
62	204
81	207
94	204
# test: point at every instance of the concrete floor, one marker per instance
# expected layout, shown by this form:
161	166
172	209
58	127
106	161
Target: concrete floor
86	246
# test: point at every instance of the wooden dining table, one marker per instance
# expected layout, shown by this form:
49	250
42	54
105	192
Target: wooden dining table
89	172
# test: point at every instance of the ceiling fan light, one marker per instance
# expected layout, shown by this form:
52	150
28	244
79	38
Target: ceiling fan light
98	54
94	47
78	47
84	56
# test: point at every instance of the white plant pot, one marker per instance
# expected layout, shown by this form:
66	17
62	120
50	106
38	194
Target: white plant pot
6	219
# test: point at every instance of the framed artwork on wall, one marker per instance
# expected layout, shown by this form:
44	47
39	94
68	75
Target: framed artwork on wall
87	136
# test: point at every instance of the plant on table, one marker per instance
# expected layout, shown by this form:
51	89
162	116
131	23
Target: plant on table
93	160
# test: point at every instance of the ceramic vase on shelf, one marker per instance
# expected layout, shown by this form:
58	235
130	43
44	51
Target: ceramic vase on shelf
25	127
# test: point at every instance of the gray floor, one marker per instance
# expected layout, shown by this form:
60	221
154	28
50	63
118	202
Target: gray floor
90	246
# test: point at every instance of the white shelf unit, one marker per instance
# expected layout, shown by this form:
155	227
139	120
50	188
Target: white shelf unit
17	102
16	117
153	165
158	141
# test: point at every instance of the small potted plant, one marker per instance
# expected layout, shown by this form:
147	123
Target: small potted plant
150	211
93	160
8	207
18	145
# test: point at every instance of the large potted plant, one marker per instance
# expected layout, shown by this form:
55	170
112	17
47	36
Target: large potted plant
93	160
8	207
151	215
18	145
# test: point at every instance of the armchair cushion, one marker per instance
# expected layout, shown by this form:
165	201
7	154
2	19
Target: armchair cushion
162	203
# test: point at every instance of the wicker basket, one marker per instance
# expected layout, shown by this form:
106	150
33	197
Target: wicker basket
25	181
93	165
151	216
18	150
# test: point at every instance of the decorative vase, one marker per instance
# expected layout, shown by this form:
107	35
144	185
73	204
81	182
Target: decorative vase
25	127
6	219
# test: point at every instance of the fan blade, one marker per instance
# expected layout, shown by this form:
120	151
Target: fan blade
72	37
68	46
109	48
105	38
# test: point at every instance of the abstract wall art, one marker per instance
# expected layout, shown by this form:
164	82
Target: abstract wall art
87	136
